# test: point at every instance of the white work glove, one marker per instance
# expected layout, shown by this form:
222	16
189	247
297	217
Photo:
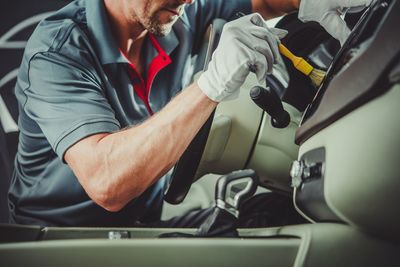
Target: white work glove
246	43
328	14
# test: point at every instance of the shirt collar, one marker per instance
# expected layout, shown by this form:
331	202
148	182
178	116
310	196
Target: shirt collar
169	42
100	30
105	43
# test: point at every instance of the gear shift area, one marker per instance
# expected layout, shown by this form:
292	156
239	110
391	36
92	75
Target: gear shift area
231	191
234	188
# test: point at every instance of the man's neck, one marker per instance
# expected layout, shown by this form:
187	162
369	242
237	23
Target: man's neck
129	33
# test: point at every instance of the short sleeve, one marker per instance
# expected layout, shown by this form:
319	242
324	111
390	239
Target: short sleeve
225	9
66	100
202	12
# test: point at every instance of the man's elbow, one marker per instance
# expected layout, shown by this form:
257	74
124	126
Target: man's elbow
104	198
108	203
110	198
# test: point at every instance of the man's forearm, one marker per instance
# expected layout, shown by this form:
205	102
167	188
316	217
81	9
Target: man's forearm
274	8
124	164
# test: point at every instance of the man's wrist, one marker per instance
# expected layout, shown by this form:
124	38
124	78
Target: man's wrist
205	87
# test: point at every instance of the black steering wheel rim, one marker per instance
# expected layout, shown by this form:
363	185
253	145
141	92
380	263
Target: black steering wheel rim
185	169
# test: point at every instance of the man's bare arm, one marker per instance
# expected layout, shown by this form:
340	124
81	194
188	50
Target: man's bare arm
274	8
115	168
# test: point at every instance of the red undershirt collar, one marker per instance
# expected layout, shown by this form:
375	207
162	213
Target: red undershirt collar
142	87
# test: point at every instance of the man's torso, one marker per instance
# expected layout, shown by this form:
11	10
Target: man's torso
74	82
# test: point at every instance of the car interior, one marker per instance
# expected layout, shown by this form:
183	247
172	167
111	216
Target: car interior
332	150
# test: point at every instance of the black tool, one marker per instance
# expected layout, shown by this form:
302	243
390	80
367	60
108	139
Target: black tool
269	101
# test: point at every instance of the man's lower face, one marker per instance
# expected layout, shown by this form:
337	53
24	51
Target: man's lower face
160	21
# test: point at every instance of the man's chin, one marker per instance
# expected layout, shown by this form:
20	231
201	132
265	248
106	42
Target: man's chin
161	30
166	30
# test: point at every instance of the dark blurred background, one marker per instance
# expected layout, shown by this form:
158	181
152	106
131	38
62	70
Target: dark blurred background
18	20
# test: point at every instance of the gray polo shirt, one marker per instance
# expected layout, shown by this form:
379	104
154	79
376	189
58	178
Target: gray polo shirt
74	82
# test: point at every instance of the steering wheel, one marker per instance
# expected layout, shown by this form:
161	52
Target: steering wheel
185	169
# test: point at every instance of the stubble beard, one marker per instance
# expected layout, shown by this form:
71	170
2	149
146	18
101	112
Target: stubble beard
155	27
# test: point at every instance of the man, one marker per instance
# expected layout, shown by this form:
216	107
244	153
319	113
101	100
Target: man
101	117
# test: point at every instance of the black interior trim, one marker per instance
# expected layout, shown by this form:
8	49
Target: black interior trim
185	170
360	81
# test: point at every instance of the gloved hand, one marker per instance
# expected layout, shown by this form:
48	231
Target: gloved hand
328	12
246	43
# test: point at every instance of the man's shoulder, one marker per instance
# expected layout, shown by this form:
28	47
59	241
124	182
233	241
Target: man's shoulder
63	28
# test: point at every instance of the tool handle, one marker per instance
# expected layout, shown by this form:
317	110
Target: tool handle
298	62
286	52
